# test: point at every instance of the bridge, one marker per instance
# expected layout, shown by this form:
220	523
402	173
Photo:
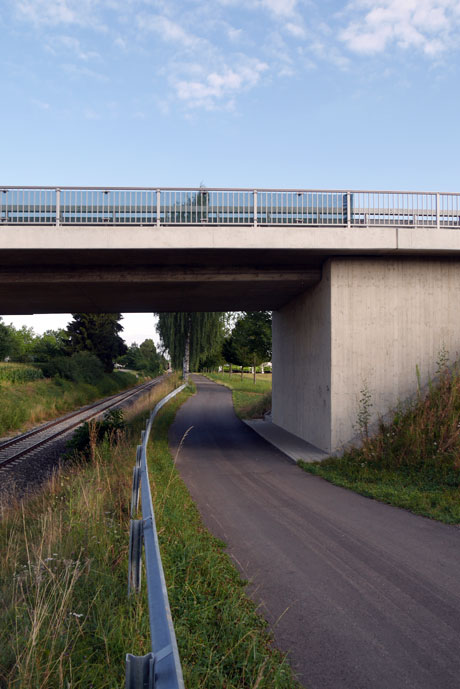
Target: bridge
364	285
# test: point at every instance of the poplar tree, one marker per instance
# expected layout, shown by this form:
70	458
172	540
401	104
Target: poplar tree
190	337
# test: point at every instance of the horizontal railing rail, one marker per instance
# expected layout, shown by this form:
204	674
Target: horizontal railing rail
264	207
161	668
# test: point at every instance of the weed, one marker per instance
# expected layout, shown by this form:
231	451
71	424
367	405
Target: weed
412	462
364	411
67	621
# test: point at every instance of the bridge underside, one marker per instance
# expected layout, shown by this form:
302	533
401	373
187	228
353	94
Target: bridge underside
353	310
166	280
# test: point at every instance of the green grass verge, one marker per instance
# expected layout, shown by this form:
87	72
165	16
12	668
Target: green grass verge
249	400
413	462
418	492
66	618
25	405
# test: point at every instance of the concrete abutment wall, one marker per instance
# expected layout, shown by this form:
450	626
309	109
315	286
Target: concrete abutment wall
368	324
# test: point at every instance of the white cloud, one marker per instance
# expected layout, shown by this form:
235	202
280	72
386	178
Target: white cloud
168	30
280	7
78	71
296	30
427	25
73	45
40	104
220	86
56	12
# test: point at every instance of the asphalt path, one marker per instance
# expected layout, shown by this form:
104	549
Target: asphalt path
360	594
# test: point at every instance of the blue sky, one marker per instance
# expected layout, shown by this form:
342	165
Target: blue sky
242	93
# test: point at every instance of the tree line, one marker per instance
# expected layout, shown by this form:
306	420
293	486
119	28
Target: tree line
199	341
89	346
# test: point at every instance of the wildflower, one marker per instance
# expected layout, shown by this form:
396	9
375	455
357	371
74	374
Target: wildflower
76	614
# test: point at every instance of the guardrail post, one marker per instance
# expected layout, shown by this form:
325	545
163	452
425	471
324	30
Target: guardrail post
136	535
135	491
58	207
348	209
255	206
158	207
438	214
140	671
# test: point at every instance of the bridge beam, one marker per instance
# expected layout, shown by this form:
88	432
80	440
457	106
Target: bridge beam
366	325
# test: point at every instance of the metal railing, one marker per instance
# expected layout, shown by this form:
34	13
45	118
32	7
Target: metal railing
161	668
265	207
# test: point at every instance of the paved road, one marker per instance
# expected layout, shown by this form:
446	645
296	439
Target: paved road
362	595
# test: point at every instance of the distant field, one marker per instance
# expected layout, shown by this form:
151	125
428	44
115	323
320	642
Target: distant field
18	373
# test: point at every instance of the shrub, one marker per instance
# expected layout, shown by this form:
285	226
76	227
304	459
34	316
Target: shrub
86	437
81	367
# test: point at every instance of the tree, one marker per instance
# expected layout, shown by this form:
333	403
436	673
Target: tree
144	357
229	353
50	345
22	342
98	334
189	337
252	338
6	341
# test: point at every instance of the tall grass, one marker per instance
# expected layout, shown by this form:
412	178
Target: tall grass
18	373
412	462
25	405
67	621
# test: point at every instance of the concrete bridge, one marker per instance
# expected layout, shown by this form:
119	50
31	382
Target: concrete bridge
364	285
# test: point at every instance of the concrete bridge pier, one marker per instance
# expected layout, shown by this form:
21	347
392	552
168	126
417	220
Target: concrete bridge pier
365	326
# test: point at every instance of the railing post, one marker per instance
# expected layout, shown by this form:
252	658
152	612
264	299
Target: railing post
348	209
158	206
58	207
255	207
438	215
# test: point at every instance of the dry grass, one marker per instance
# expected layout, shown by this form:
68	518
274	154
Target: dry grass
67	622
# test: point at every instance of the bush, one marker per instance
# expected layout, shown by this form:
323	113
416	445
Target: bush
81	367
90	433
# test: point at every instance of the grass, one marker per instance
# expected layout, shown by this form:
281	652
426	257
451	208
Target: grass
27	404
413	462
18	373
250	401
66	618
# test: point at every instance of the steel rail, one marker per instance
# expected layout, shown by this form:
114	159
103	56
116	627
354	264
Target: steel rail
160	669
5	187
101	406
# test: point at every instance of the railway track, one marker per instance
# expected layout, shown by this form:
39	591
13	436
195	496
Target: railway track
26	443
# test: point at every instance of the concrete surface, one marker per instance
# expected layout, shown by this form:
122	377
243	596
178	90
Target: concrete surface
368	324
106	268
291	445
361	595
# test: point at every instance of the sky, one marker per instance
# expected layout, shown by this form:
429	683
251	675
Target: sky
230	93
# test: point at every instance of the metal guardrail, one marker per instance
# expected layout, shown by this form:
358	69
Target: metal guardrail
157	207
161	668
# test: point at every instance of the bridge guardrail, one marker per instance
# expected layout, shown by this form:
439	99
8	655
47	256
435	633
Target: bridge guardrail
161	668
265	207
